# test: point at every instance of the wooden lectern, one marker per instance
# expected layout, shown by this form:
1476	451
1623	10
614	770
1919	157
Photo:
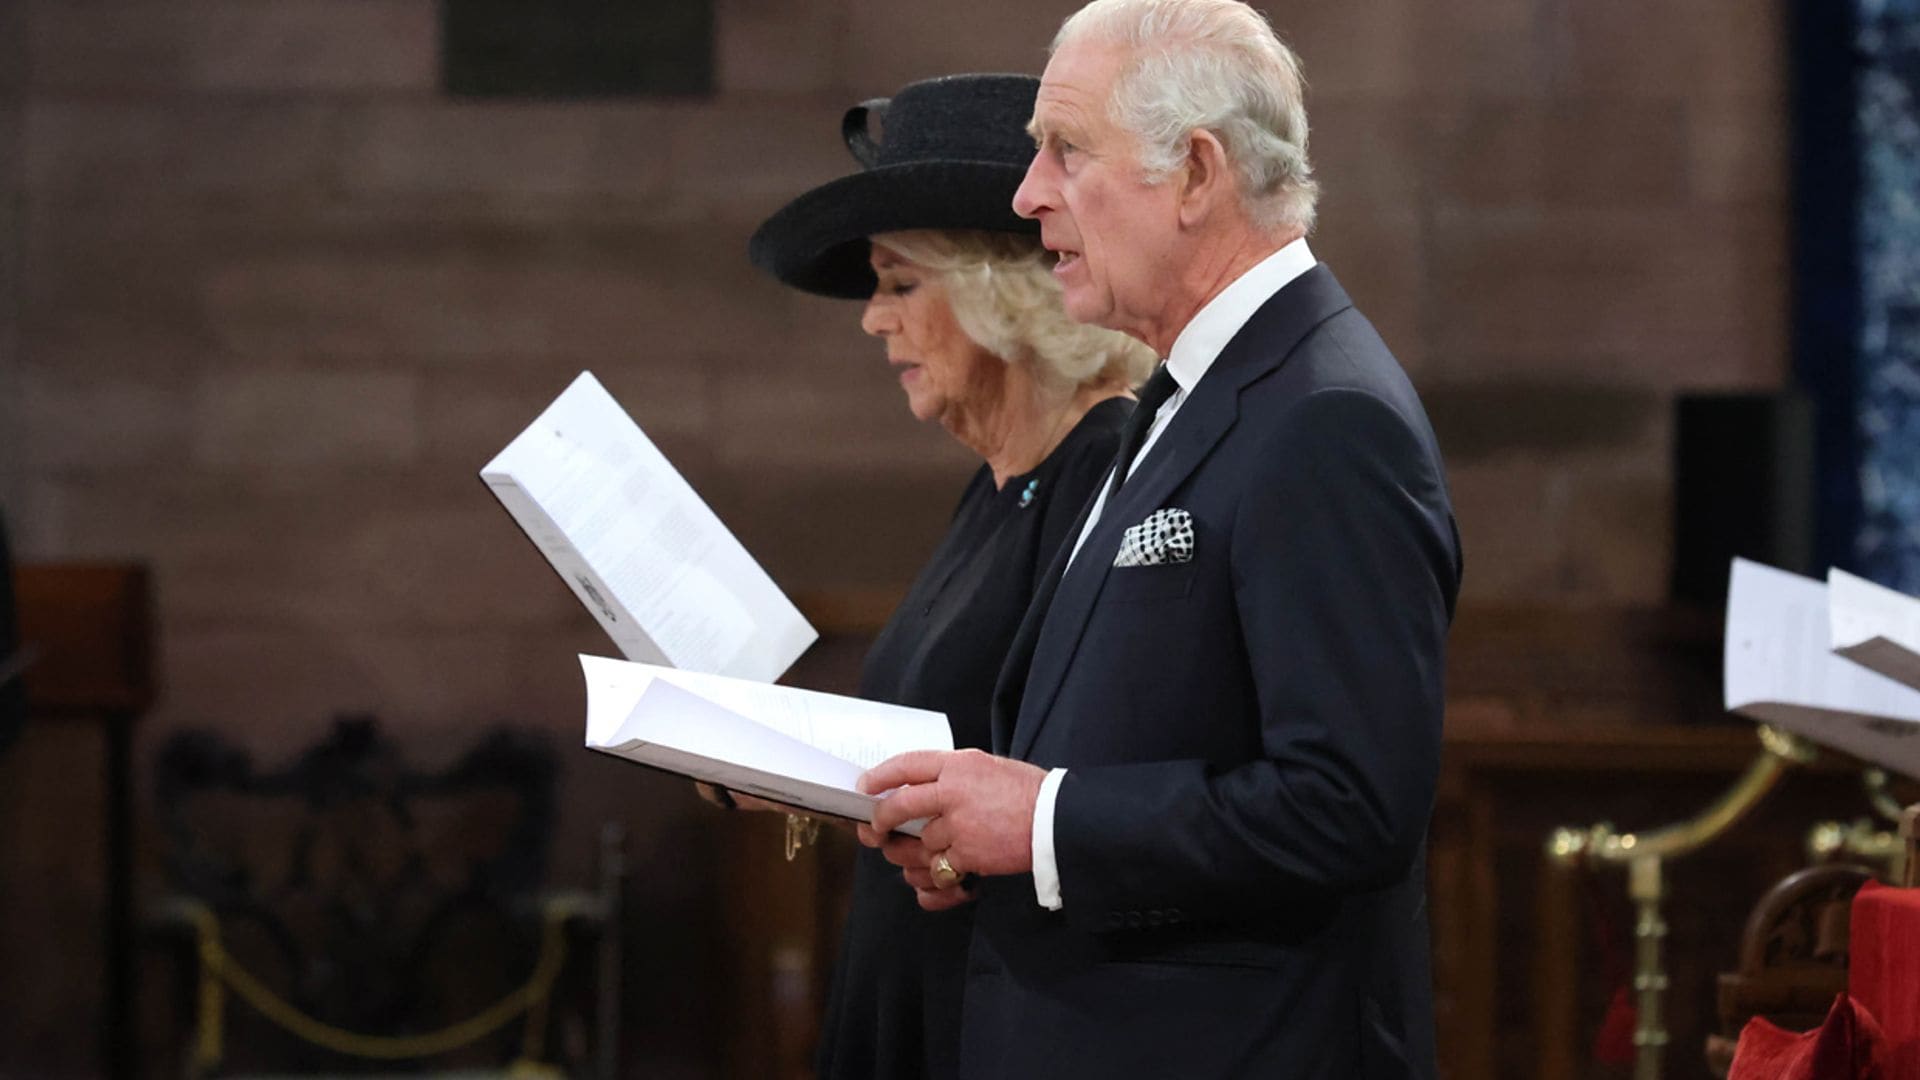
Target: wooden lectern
87	631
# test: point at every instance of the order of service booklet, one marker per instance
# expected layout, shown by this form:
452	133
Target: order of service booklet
644	553
1874	626
799	747
1781	668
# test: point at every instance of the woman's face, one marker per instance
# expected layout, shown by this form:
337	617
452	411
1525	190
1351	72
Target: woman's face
946	375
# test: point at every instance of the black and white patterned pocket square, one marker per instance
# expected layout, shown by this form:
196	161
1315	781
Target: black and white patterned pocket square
1165	537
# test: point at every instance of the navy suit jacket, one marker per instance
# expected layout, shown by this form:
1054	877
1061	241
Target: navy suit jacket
1252	738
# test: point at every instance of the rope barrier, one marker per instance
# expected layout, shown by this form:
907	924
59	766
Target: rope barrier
219	971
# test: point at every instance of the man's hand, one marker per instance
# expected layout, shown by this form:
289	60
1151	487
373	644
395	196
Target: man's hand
980	811
914	860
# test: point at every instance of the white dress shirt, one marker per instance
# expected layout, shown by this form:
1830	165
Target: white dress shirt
1193	353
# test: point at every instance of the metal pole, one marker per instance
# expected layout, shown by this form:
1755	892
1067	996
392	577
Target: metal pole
1646	888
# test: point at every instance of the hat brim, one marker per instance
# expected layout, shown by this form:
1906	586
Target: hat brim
818	242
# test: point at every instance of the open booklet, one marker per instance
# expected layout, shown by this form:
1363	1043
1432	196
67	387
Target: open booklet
1874	626
1780	669
799	747
638	546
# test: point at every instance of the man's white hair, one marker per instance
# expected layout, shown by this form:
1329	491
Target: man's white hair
1005	298
1213	65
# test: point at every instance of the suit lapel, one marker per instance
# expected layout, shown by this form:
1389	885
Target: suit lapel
1011	685
1057	620
1201	422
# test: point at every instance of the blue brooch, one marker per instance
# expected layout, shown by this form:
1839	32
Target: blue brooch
1026	497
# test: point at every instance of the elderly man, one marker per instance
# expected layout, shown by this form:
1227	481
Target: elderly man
1197	850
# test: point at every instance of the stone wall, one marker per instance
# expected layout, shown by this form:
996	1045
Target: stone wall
279	299
282	298
13	82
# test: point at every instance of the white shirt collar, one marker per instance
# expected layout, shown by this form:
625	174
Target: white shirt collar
1215	324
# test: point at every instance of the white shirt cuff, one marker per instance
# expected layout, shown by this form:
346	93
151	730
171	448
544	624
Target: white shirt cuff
1046	873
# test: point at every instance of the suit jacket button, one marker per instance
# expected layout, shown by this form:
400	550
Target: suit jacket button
1173	915
1156	917
1133	920
1115	920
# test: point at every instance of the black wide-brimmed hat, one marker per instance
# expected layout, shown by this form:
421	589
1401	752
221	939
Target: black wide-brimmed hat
950	154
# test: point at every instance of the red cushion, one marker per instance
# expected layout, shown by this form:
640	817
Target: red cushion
1883	970
1847	1046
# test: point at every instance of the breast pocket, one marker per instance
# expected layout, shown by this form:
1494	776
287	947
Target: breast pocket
1134	584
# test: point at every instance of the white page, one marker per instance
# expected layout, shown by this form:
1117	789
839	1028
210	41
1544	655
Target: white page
863	733
638	545
1779	669
818	798
665	717
1874	626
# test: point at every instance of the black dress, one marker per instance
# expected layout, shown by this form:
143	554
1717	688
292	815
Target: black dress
894	1011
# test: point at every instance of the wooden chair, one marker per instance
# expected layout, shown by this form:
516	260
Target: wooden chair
351	910
1793	956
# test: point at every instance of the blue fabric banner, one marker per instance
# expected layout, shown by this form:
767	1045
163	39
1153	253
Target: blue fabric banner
1886	543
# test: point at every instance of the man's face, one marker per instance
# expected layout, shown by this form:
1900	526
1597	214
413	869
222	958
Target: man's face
1111	229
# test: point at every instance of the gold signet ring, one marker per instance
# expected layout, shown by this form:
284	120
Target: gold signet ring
944	875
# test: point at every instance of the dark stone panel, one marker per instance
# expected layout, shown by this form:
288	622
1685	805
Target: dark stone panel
1477	421
576	48
14	71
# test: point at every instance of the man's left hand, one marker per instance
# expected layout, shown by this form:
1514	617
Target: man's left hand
979	810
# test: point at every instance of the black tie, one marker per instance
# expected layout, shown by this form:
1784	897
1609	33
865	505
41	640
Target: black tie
1153	395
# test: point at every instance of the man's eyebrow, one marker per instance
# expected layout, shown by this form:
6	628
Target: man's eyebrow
1055	127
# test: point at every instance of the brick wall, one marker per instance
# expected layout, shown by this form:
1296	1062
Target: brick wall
279	300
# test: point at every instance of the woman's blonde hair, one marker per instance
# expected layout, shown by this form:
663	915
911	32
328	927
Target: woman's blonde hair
1004	296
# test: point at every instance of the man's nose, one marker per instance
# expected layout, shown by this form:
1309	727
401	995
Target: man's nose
1035	191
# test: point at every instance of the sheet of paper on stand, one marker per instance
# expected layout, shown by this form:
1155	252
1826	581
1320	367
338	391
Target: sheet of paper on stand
799	747
1780	669
643	552
1875	626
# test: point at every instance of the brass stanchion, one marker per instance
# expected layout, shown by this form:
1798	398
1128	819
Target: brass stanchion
1646	887
1645	855
1878	793
1859	840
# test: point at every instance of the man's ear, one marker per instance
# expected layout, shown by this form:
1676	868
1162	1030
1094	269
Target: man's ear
1205	179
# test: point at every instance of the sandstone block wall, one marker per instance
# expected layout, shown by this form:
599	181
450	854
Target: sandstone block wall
268	300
